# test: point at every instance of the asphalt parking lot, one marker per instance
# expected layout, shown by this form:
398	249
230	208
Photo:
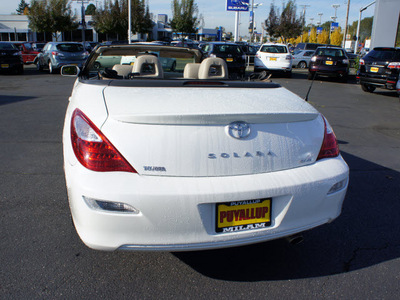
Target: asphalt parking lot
355	257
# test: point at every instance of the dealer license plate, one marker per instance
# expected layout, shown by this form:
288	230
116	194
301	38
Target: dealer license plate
229	59
243	215
374	69
329	63
272	58
5	66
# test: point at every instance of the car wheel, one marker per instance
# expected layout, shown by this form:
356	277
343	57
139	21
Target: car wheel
97	65
51	69
173	67
367	88
302	65
39	66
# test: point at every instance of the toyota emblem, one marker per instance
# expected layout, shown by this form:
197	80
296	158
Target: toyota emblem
239	130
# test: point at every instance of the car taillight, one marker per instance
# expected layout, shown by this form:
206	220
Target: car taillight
330	147
345	61
314	59
92	148
55	53
394	65
362	62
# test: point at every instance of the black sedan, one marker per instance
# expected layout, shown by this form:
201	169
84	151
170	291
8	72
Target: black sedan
10	59
329	61
380	68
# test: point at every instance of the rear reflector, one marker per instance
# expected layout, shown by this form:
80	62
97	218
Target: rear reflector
330	147
92	148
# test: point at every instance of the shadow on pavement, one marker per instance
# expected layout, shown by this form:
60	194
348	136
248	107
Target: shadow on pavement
364	235
7	99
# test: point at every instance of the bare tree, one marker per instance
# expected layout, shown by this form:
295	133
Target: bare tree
285	25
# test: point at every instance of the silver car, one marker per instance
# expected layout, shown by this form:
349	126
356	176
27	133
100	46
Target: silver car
57	54
301	58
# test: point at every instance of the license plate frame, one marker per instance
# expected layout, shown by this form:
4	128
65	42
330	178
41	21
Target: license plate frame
243	215
329	63
273	59
374	69
229	59
5	66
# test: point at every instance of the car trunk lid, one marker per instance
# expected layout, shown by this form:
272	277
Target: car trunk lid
195	131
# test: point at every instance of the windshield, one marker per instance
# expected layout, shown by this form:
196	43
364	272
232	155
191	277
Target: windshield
383	54
329	52
124	61
274	49
229	49
70	47
7	46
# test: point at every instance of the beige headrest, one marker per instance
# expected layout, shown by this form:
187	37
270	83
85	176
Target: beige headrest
191	71
213	68
148	66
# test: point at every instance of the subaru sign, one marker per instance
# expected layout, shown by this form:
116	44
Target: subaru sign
237	5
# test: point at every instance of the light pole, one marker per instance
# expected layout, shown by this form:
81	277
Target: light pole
347	20
320	18
335	6
129	21
358	26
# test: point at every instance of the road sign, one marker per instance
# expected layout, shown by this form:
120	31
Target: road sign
237	5
334	26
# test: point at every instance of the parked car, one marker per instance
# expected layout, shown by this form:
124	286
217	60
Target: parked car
352	58
27	52
301	58
329	61
10	58
250	51
379	68
58	54
37	46
191	160
231	53
273	57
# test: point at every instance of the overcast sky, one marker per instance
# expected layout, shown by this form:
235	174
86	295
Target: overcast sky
215	14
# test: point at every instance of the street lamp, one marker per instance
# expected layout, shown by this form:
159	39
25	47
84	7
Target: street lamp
358	26
320	18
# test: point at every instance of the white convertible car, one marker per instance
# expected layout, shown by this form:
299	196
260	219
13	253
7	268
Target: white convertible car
188	160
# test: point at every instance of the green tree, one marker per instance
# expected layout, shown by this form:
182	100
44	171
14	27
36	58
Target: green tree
112	18
287	25
185	18
51	16
21	7
90	9
365	28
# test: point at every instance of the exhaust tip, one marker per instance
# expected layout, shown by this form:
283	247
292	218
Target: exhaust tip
295	239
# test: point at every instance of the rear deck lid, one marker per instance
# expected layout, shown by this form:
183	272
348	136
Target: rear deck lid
211	131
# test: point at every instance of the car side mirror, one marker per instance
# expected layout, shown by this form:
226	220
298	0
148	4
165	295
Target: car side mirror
70	71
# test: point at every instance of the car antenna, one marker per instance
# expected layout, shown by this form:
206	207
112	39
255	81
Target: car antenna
309	89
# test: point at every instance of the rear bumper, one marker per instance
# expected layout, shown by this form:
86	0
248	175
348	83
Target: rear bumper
386	82
329	71
283	66
179	213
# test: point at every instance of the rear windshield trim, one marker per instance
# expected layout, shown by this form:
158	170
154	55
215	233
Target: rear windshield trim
162	83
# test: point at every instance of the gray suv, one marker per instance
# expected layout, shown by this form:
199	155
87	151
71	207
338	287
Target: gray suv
57	54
